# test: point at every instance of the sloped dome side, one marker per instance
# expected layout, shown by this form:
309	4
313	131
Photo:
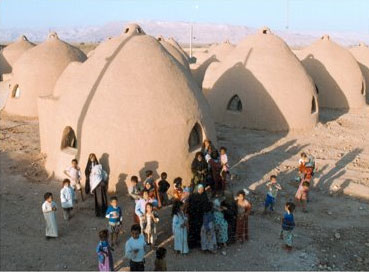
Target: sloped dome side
361	54
175	53
336	74
141	116
36	72
274	91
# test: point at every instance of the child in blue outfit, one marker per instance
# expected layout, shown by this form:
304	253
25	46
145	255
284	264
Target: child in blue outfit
114	214
273	188
104	255
288	224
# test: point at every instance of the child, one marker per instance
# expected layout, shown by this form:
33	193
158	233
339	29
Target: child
149	178
271	196
135	189
163	189
179	228
208	237
114	214
224	162
135	249
150	220
243	212
74	174
104	254
302	194
67	199
288	224
221	225
140	208
49	208
178	190
160	263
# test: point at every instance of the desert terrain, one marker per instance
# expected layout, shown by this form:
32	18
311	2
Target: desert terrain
333	235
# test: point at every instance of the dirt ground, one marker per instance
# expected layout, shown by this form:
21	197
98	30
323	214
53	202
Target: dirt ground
333	235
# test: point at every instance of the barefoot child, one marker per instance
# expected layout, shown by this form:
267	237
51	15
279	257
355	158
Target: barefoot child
243	212
104	254
74	174
273	188
67	199
302	194
288	224
114	214
49	208
135	249
179	228
150	221
160	262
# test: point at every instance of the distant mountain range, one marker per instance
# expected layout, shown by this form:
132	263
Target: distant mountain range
204	33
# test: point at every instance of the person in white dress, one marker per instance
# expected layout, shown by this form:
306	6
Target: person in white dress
49	209
67	199
179	228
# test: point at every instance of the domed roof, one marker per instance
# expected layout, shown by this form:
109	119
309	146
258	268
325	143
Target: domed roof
221	50
173	42
261	85
174	52
12	52
361	54
36	72
336	74
135	105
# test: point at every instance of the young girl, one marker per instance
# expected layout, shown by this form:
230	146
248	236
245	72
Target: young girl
302	194
49	208
67	199
150	220
160	263
74	174
224	162
208	237
179	228
104	254
243	212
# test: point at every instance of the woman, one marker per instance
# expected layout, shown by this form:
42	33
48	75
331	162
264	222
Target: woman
216	168
221	225
179	228
91	162
197	202
98	183
230	215
199	169
243	212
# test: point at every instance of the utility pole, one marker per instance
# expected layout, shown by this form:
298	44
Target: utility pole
191	34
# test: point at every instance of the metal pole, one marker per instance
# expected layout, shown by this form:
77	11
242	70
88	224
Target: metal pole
191	30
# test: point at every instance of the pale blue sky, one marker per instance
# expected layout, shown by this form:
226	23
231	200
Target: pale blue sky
311	15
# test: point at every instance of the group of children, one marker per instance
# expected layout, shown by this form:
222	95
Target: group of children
204	214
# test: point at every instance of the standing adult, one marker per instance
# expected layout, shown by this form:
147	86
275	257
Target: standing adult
230	215
197	202
216	168
91	162
199	169
98	183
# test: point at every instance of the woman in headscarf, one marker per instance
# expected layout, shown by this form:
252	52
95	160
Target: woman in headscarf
216	168
98	183
230	215
91	162
197	202
199	169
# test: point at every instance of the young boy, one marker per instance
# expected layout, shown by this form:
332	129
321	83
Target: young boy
49	208
302	194
160	262
288	224
67	199
114	214
135	249
73	172
103	250
149	178
163	189
273	188
135	189
224	162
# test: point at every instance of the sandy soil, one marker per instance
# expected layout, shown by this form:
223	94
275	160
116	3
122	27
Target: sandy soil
332	236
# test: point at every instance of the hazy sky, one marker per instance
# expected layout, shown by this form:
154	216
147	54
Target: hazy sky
333	15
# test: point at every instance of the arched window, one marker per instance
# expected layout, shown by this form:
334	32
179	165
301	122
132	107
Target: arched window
16	92
235	104
195	139
316	89
363	88
313	105
69	139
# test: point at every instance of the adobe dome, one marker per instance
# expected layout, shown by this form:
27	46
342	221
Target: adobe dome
174	43
35	74
261	85
361	54
336	74
135	107
174	52
215	53
12	52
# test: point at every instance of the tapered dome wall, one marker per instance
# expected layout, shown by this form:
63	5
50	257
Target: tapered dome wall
178	55
10	54
136	108
36	72
261	85
336	74
361	54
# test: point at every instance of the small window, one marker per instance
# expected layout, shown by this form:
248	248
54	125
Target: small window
235	104
69	139
363	88
16	92
316	89
313	105
195	139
